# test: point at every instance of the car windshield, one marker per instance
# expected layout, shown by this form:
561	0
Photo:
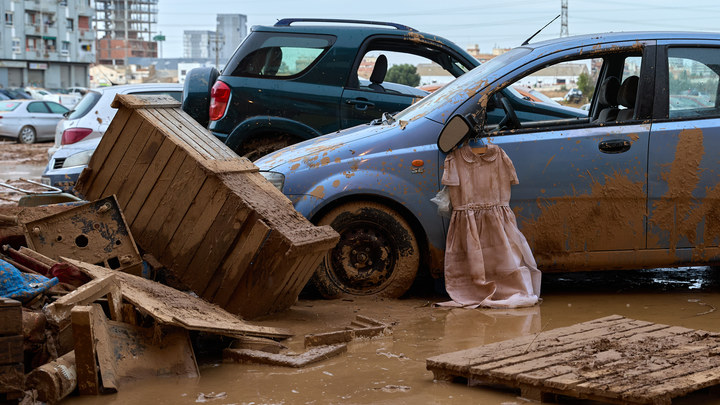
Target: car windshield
461	88
8	105
84	105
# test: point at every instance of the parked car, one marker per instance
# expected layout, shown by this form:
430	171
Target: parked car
573	96
15	93
304	77
29	121
633	183
89	121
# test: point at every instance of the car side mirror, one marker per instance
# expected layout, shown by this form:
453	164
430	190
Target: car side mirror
456	129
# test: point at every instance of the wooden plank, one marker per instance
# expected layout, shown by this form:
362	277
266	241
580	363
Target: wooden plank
187	144
10	317
300	276
85	350
132	101
111	135
12	381
217	243
161	186
127	162
190	134
146	184
11	349
106	171
179	195
142	163
208	137
250	238
172	307
311	356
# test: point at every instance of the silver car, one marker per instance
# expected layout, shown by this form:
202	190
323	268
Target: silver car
29	121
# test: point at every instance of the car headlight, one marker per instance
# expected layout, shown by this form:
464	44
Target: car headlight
78	159
277	179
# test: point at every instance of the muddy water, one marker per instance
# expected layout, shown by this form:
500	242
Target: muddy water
391	370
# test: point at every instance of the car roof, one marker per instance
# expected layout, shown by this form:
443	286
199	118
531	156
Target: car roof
140	86
588	39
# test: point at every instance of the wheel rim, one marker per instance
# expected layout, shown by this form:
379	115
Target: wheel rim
362	262
27	135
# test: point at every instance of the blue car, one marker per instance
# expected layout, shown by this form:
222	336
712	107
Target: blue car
630	182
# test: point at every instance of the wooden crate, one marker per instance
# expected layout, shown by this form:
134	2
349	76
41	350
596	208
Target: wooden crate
12	375
612	359
201	210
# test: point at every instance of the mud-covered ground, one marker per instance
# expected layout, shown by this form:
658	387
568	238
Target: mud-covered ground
391	369
18	161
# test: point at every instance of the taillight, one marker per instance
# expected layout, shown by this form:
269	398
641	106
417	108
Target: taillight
219	97
72	135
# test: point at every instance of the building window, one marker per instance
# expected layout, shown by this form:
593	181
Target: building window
9	18
65	51
16	45
62	3
31	43
86	47
50	44
84	22
70	24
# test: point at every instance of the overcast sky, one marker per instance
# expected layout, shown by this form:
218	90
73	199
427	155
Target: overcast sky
501	23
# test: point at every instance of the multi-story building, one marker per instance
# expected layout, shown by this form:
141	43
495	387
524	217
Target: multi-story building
46	43
125	28
199	44
231	30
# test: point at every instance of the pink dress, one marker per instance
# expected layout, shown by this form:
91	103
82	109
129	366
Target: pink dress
488	261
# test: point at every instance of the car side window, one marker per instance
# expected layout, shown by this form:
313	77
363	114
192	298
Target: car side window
277	55
37	107
57	108
693	78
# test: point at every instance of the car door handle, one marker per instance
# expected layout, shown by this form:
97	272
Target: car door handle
614	146
360	103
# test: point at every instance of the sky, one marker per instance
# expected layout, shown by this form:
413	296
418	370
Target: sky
489	24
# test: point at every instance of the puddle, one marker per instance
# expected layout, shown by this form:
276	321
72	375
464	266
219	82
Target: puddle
391	370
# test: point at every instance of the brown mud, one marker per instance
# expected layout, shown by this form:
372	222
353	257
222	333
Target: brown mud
20	161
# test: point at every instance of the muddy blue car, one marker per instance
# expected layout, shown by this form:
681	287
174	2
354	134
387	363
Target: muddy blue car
632	182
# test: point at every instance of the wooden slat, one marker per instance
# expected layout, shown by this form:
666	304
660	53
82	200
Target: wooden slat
127	162
188	144
175	121
85	351
146	183
212	140
137	171
296	280
161	186
10	317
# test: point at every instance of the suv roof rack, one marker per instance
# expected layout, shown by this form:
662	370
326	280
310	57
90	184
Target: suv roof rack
285	22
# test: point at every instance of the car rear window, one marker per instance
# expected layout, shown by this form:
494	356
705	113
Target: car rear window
8	105
277	55
84	105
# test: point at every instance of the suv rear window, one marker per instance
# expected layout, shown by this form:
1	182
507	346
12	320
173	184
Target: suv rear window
84	105
278	55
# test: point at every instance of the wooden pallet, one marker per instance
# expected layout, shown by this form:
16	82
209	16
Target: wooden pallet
612	359
201	210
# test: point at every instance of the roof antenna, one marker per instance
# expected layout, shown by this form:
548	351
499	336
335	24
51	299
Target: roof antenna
527	41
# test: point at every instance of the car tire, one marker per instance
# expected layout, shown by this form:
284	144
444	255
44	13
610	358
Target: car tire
258	147
27	135
377	253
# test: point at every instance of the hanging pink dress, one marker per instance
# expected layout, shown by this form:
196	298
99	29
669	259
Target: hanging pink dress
488	261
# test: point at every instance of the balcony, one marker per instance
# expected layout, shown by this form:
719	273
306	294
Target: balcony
32	4
32	29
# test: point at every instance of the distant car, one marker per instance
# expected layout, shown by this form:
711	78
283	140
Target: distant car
15	94
632	182
573	96
89	121
29	121
301	78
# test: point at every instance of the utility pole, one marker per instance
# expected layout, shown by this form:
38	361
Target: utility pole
564	19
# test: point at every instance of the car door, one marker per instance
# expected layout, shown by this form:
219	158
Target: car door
684	170
42	119
583	193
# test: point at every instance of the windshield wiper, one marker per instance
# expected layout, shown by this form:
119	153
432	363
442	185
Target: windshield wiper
387	118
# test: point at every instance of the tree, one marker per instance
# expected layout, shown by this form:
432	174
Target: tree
403	74
585	84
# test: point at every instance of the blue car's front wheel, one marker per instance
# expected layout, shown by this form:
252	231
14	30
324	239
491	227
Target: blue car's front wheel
377	253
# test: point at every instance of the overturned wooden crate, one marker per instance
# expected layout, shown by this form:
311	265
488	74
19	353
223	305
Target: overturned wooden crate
201	210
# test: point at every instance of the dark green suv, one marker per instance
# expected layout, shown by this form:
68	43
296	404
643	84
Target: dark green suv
305	77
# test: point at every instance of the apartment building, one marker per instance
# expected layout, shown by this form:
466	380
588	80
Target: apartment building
46	43
125	28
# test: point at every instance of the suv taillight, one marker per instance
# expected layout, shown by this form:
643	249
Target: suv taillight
219	97
72	135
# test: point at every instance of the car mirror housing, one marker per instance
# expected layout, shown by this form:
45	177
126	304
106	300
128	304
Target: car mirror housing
456	129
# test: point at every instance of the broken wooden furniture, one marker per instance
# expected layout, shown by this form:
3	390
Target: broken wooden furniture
361	327
294	360
12	371
201	210
612	359
95	232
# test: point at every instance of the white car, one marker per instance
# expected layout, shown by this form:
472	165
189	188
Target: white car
92	114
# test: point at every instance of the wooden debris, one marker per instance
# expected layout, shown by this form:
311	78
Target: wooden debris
55	380
257	343
59	311
286	360
172	307
12	375
612	359
361	327
122	352
203	212
95	232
